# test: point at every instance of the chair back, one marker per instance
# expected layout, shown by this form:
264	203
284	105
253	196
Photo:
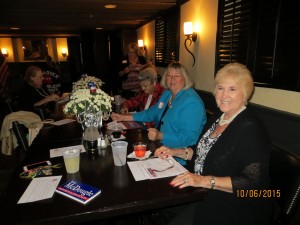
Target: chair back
12	104
20	133
285	176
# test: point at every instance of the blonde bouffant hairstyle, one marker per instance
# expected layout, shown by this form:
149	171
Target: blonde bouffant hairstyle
240	74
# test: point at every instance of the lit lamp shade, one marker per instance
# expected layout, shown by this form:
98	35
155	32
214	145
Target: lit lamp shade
140	43
64	52
188	28
4	51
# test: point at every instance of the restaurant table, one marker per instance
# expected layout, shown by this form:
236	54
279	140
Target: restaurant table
120	193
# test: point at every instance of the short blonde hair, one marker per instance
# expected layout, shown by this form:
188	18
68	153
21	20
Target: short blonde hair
240	74
188	82
134	48
31	72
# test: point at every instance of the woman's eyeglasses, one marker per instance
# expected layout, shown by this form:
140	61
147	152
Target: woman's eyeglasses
176	77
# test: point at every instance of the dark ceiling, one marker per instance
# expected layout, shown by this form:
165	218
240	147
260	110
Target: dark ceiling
72	16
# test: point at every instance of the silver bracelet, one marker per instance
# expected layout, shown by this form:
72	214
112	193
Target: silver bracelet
186	153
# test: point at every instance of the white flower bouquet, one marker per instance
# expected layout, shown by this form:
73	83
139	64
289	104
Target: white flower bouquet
82	100
84	81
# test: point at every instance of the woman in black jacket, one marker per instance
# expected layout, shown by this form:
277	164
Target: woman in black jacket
231	159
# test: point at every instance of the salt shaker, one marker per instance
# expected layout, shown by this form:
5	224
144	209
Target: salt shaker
103	143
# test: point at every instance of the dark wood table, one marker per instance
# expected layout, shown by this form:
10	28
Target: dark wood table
121	194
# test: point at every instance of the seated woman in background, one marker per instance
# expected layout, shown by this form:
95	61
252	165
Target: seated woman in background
33	94
148	96
231	159
179	114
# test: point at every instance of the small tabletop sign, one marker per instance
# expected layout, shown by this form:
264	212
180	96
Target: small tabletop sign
77	191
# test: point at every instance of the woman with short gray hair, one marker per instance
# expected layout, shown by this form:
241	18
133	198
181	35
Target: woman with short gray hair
150	92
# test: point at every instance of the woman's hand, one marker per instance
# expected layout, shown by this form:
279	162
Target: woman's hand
154	134
49	98
126	70
163	152
124	110
119	117
53	97
116	117
190	179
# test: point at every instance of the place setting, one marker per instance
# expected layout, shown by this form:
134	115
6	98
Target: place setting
140	151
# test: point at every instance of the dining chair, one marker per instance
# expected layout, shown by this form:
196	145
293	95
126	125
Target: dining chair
20	132
285	177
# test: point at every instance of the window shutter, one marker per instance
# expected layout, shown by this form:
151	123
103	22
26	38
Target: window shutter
166	32
264	35
233	33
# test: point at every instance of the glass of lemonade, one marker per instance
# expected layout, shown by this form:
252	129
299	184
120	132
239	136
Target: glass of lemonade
72	159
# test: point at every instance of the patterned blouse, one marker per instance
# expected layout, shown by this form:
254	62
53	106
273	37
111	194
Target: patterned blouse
204	145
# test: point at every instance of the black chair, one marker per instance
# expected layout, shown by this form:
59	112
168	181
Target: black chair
285	176
20	132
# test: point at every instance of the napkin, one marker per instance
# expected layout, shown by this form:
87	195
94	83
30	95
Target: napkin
132	155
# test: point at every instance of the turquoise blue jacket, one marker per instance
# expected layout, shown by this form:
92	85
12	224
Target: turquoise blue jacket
182	123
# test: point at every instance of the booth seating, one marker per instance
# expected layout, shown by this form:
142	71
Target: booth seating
283	130
285	177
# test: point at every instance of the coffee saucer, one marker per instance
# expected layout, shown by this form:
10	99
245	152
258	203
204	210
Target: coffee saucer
133	156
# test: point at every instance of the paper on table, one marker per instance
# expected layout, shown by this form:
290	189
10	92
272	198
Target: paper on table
139	169
40	188
59	151
62	122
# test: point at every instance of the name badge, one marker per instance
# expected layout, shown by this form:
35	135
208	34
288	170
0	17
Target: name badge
124	61
160	105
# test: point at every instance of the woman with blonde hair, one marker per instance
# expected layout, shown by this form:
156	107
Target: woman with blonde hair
132	64
179	114
231	159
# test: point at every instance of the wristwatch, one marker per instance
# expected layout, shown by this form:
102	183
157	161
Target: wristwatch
212	182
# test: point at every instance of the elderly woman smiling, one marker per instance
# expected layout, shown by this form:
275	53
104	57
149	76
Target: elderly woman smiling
179	114
231	156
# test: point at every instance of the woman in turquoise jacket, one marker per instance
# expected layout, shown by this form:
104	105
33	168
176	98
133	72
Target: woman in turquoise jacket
179	115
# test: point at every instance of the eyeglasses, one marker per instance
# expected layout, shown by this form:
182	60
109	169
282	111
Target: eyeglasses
145	85
176	76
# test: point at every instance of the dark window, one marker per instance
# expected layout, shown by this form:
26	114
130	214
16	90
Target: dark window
166	38
264	35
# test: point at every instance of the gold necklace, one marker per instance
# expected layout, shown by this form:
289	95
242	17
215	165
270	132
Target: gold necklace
222	121
170	101
44	94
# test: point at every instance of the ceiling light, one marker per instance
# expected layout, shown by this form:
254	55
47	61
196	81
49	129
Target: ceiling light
99	28
110	6
15	28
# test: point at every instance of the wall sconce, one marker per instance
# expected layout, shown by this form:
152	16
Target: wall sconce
64	52
4	52
142	47
190	36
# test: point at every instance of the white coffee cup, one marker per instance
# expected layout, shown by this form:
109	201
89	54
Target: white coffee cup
119	150
72	160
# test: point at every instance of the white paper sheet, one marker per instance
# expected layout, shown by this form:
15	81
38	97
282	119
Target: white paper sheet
139	169
62	122
56	152
40	188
